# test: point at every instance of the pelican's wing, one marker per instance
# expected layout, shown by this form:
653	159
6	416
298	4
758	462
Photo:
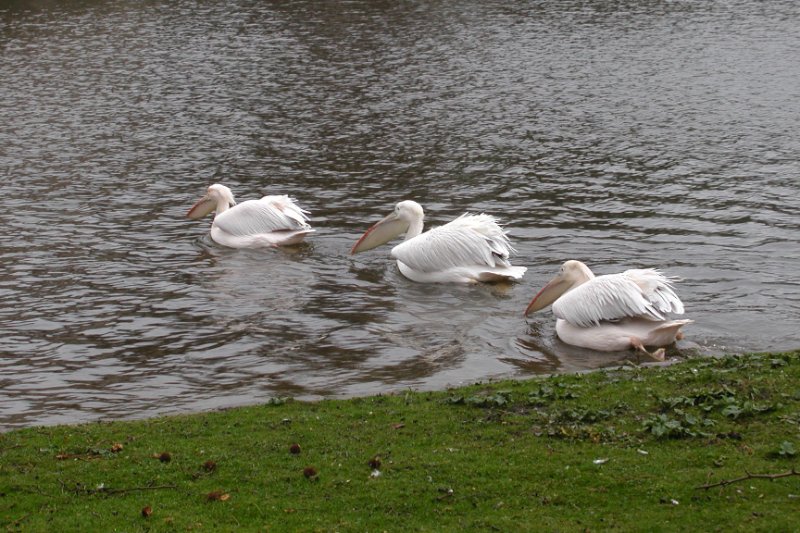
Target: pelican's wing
270	213
642	293
469	240
657	290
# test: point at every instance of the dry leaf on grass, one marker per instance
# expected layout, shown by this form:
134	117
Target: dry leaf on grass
217	496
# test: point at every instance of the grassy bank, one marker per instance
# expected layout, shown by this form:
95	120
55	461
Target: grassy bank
628	448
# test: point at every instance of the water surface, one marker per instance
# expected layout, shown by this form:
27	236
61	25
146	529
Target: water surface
624	134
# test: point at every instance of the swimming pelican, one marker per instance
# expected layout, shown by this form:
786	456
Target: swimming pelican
469	249
270	221
612	312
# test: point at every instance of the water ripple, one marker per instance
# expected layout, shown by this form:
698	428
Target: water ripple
624	133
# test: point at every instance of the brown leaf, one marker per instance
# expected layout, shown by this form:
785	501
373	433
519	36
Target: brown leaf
398	426
117	447
294	449
147	511
375	463
217	496
310	472
164	457
209	466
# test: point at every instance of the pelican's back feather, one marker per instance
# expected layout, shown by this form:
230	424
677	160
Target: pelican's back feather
643	293
270	213
466	241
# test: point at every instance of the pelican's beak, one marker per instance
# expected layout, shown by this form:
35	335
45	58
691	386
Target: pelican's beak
549	294
203	207
382	232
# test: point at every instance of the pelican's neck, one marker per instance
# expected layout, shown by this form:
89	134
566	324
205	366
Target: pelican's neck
581	275
414	227
222	205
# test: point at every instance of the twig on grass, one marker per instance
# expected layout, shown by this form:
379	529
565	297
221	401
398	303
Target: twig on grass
15	523
747	476
134	489
103	490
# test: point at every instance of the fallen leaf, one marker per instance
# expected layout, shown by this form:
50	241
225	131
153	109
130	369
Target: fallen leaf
116	447
147	511
164	457
310	472
375	463
398	426
294	449
217	496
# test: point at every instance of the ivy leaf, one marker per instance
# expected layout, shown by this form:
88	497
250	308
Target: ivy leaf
787	449
732	411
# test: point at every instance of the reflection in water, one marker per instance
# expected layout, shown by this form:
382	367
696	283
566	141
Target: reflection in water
623	134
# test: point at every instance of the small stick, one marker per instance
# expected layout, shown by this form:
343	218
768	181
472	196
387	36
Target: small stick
20	519
78	490
132	489
748	475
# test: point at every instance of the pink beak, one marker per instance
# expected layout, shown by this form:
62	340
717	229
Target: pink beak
380	233
549	294
203	207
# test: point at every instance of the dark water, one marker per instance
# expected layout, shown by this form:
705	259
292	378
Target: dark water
622	133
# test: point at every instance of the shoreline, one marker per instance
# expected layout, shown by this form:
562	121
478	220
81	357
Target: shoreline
625	447
682	355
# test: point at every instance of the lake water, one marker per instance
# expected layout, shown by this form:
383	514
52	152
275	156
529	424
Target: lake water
621	133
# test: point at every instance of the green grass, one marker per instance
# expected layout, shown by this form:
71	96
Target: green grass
624	449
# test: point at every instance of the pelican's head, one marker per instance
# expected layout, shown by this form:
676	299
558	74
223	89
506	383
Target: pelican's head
405	214
571	274
218	198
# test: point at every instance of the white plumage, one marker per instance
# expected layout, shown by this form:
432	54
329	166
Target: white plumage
614	311
469	249
643	293
469	239
270	221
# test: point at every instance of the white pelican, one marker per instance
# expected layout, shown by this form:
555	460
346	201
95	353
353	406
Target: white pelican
270	221
469	249
612	312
